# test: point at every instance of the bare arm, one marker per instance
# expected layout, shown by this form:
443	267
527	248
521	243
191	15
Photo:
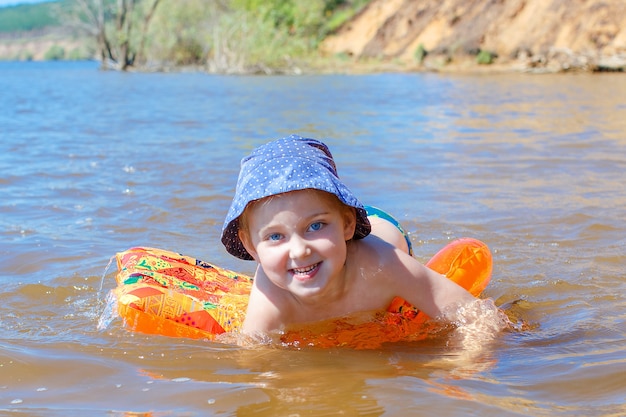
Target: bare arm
435	291
406	277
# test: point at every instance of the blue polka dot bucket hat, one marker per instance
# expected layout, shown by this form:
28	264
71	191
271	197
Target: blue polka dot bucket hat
289	164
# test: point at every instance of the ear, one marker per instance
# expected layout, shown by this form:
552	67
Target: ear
247	243
349	223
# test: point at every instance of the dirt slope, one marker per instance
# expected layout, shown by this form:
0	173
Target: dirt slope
547	35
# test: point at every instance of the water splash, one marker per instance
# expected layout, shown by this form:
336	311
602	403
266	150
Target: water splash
109	313
476	323
104	273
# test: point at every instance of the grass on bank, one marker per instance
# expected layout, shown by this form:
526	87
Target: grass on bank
233	36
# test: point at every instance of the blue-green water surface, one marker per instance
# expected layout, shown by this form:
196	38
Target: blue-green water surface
92	163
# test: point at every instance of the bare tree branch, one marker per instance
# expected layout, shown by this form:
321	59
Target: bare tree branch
111	24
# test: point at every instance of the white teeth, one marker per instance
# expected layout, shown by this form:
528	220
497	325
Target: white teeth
304	270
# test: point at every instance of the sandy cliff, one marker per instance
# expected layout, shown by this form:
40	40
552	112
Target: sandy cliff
539	35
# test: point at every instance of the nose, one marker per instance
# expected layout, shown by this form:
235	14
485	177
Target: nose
299	247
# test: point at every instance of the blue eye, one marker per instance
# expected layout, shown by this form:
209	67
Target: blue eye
274	236
314	227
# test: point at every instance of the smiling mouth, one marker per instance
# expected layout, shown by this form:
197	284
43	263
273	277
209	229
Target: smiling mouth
305	271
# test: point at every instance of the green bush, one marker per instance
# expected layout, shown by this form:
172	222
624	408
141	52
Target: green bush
485	57
228	36
188	51
55	53
78	54
420	53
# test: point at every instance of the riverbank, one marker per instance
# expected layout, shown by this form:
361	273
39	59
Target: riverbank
482	35
44	45
478	36
59	44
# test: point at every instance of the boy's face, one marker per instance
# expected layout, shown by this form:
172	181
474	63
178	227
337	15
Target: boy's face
299	239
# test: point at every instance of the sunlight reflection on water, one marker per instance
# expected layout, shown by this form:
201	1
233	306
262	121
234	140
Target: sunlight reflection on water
93	163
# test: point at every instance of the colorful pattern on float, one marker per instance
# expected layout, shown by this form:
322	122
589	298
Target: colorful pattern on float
165	293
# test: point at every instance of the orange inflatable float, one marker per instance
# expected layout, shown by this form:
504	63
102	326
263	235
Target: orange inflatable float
165	293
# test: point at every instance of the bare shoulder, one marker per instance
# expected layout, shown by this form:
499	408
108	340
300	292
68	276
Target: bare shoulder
390	271
376	256
380	272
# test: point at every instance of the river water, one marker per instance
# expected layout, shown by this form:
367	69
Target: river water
92	163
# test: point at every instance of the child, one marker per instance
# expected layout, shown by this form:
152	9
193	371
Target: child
319	255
